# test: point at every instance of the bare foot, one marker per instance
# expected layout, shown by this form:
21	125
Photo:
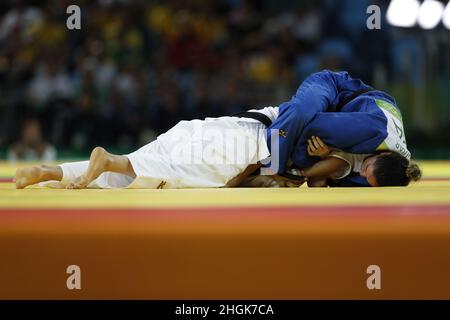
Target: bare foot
55	185
80	183
28	176
98	163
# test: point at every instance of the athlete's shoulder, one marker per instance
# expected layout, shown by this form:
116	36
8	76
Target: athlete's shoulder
379	95
335	76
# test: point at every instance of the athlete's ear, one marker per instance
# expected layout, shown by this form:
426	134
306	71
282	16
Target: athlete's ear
371	179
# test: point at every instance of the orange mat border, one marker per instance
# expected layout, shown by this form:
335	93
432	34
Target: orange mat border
359	211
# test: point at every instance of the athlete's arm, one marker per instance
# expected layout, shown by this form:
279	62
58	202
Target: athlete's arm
325	168
315	95
236	181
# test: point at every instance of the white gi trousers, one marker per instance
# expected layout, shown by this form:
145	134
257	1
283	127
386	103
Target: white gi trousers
193	154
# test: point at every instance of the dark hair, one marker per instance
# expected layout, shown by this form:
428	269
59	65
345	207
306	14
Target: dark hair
393	169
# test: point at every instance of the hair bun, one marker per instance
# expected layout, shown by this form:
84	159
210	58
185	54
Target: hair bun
413	172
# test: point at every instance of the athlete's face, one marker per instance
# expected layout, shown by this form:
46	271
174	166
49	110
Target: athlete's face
367	168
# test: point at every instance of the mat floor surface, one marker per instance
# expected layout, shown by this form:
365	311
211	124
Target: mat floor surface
290	243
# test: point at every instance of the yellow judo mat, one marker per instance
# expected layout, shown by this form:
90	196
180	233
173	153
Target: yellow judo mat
287	243
433	189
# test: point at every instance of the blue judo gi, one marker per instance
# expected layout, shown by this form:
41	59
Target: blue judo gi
370	122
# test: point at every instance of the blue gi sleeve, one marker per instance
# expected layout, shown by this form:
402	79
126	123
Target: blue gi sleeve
316	94
353	132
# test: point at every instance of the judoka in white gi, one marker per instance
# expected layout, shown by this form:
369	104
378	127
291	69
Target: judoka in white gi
193	154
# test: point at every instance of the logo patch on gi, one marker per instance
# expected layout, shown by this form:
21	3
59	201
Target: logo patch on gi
161	185
282	133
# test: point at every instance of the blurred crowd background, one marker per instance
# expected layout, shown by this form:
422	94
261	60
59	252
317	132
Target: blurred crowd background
138	67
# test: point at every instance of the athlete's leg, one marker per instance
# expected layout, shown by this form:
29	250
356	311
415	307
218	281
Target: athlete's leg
35	174
102	161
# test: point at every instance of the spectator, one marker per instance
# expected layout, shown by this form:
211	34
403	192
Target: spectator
50	82
32	146
22	20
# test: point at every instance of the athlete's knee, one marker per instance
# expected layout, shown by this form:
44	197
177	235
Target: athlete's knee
101	156
97	151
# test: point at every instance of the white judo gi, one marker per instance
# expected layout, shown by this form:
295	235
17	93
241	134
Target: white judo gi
193	154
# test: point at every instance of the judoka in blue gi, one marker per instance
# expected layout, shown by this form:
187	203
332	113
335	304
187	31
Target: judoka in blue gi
346	114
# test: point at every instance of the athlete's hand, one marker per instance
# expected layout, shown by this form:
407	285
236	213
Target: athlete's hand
316	147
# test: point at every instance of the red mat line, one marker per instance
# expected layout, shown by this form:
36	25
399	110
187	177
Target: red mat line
360	211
